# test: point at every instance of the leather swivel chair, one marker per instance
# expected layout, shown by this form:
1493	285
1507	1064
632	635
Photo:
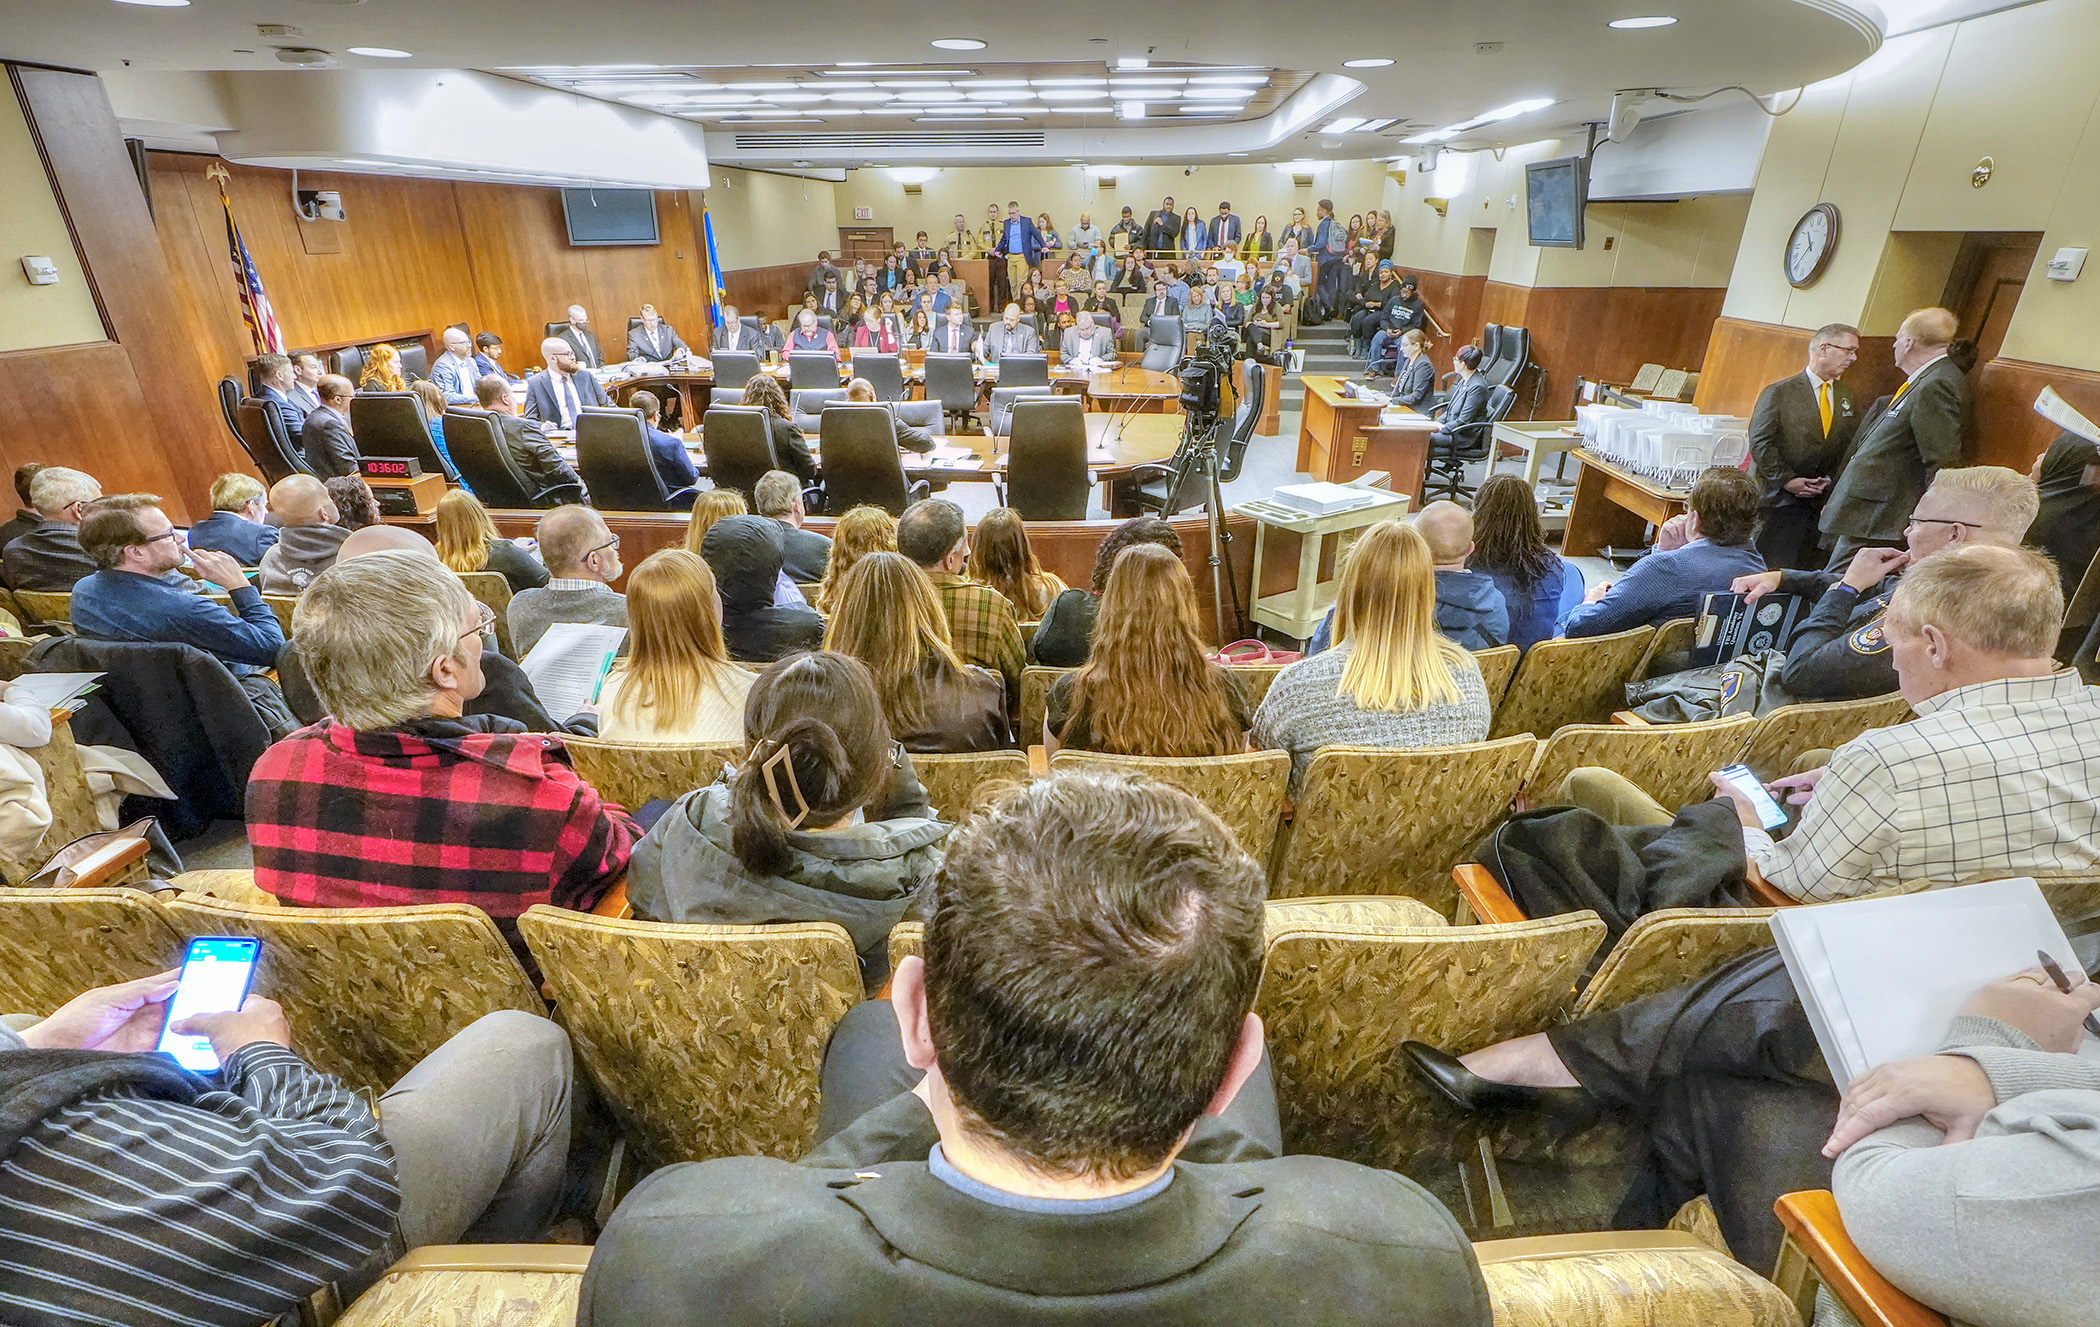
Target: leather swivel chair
616	463
739	441
885	373
734	368
812	368
861	465
487	468
1468	442
951	380
349	362
391	424
1162	345
262	433
1024	371
415	362
230	406
1046	471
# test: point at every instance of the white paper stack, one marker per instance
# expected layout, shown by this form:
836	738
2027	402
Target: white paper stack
566	664
1326	499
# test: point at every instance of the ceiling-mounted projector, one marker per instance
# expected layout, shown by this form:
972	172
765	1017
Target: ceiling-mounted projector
1626	113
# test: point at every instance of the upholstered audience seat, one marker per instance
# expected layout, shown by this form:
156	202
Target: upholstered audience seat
1580	680
956	783
1669	762
56	943
1244	790
633	774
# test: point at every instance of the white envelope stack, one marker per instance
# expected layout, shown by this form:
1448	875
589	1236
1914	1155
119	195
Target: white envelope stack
1666	441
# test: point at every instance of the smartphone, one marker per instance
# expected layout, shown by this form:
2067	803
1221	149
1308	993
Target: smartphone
217	972
1769	813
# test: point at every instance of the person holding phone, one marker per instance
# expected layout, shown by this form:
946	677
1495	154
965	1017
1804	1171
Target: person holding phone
271	1178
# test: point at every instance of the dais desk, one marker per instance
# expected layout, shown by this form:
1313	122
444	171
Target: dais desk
1613	508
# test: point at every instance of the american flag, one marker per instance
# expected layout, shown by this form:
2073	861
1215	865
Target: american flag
255	304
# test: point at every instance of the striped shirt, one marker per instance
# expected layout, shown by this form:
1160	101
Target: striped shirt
122	1210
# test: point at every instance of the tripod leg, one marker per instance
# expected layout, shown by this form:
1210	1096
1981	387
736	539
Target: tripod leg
1220	538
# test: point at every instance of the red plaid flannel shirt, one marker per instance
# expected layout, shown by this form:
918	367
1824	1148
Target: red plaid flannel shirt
439	813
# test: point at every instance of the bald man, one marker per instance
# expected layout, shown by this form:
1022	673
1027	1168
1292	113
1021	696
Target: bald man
309	540
559	394
583	557
455	371
1895	457
1470	608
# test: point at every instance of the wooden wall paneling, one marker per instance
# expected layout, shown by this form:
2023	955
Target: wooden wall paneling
2008	432
668	274
192	229
767	290
1454	301
526	274
1743	357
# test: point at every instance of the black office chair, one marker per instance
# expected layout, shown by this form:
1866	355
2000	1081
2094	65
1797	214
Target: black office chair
1515	357
812	368
885	373
739	442
1490	344
415	362
951	380
1162	345
632	323
391	424
262	434
1145	489
556	329
1023	371
486	466
1467	442
616	463
734	368
461	327
806	407
1046	470
349	362
861	465
230	395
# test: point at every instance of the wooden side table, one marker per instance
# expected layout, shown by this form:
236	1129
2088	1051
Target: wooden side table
1297	611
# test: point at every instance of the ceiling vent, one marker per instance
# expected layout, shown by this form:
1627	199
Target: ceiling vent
1105	181
878	144
305	57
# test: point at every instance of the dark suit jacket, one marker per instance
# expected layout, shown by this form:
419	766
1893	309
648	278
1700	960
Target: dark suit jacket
865	1233
807	553
531	451
1894	459
666	343
1152	309
1031	241
330	450
1162	231
1224	231
584	343
539	396
287	409
944	341
1414	382
1786	435
1468	405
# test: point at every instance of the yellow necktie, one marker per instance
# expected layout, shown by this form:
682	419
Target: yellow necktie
1823	404
1899	394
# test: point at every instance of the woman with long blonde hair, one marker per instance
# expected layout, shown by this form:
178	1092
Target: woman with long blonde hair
889	617
1001	558
467	541
1149	688
714	505
677	684
862	531
382	371
1391	679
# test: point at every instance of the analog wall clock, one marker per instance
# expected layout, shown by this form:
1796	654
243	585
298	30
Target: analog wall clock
1810	247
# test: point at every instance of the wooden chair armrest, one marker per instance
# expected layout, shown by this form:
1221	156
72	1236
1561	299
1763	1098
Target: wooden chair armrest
614	903
102	867
1816	1234
571	1258
1630	719
1484	895
1038	762
1766	894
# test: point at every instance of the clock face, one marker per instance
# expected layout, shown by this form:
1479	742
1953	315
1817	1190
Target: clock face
1812	244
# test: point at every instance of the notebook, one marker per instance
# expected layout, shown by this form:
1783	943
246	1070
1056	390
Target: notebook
57	691
1883	978
566	664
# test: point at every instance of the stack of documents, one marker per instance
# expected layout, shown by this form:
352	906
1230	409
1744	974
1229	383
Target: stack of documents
567	664
58	691
1327	499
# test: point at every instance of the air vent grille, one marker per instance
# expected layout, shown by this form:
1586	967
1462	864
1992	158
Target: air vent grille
825	144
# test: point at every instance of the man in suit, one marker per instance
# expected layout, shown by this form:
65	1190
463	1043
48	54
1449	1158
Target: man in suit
1100	1152
1798	434
1163	228
953	336
581	339
455	371
49	557
655	339
488	355
1087	346
1021	245
733	335
306	375
325	437
919	259
831	301
673	463
1009	336
1224	229
529	447
275	372
559	394
1892	462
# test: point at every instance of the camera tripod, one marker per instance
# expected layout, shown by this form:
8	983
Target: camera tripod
1197	455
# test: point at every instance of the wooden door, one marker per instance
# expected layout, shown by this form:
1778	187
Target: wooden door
1985	286
869	242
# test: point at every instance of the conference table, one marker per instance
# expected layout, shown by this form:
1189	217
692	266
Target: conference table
1613	508
1342	437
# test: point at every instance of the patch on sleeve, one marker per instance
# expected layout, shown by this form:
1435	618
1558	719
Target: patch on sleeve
1731	684
1869	639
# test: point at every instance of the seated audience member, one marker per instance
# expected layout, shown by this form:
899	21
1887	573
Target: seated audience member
1996	777
1149	687
382	371
1391	679
235	526
1067	628
718	504
1840	651
431	405
308	537
2067	526
467	541
778	496
556	395
1699	553
372	807
790	448
862	531
583	560
325	437
505	690
1969	1178
529	447
1469	605
1077	1155
355	506
138	596
981	622
677	684
910	437
274	372
1510	548
136	1193
746	554
823	820
673	462
50	558
1001	557
26	517
889	617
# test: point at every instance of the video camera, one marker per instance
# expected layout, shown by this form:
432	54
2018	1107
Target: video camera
1203	373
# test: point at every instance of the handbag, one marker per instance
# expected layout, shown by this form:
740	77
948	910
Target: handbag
1245	653
92	851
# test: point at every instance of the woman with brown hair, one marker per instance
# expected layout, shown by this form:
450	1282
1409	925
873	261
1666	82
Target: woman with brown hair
1068	624
1510	548
889	617
790	449
1150	687
1001	558
467	541
677	685
862	531
382	371
355	507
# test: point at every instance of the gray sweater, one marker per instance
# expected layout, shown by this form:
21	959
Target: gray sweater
533	611
2001	1230
1305	711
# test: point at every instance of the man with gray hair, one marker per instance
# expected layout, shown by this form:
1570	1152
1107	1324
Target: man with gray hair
582	341
778	496
583	558
1799	433
49	557
1899	451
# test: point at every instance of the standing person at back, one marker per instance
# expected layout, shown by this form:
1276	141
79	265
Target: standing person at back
1896	455
1330	246
1699	553
1469	604
1799	434
583	560
981	621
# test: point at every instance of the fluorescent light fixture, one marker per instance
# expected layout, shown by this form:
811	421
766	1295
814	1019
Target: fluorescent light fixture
996	96
1131	110
1132	62
1216	94
944	94
1099	169
763	87
1432	136
1077	110
830	87
379	52
912	83
863	96
861	72
1342	125
1069	82
1516	108
913	174
1375	62
998	83
958	43
158	4
1072	94
1368	127
959	119
1651	21
797	98
1257	80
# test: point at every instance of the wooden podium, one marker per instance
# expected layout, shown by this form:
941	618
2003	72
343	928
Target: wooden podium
1341	438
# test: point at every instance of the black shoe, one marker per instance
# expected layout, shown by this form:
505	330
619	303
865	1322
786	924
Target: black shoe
1470	1092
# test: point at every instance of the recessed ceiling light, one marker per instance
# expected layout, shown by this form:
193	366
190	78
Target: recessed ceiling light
958	43
1375	62
379	52
1131	110
1651	21
1132	62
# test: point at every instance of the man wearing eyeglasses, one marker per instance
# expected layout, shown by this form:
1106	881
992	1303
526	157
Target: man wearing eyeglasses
583	558
137	595
1897	452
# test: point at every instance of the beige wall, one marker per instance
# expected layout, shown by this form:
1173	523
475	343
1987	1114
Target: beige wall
762	220
32	317
1893	143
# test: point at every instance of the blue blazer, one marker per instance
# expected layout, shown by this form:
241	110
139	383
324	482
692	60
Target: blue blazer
1031	240
672	460
1663	586
287	410
238	538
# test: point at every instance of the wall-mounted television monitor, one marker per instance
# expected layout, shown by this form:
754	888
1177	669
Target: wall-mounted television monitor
1554	192
610	216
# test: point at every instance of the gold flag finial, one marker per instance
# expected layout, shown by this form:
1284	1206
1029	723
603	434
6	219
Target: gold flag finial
217	171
